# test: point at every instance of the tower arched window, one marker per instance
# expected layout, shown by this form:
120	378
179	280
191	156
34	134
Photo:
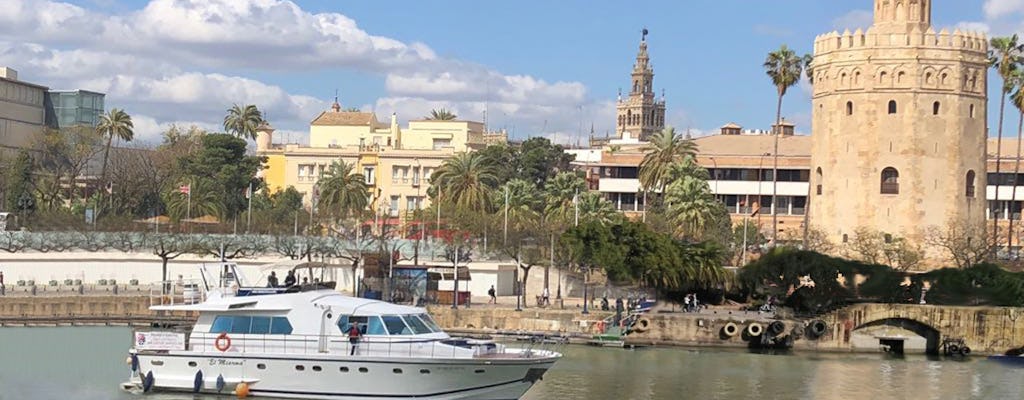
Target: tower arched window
970	187
892	106
890	181
817	180
972	110
935	108
636	86
849	108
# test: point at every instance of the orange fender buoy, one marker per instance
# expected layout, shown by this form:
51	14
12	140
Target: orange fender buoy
242	390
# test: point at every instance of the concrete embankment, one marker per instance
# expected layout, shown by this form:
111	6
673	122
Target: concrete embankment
82	310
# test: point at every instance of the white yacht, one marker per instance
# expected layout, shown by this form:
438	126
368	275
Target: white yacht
293	343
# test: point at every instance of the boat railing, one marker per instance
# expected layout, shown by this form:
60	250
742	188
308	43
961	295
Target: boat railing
177	292
233	344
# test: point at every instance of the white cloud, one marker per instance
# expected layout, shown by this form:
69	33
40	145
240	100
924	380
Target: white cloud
853	20
169	60
995	9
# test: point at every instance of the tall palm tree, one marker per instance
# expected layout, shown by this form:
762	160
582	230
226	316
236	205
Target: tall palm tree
442	114
1017	80
343	191
242	121
692	206
521	199
467	181
1005	56
665	149
115	123
784	68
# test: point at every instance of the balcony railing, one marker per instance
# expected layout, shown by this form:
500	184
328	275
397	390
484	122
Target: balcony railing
890	188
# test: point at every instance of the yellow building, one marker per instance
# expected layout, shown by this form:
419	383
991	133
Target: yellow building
395	162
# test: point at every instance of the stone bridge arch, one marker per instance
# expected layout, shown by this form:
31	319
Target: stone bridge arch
903	335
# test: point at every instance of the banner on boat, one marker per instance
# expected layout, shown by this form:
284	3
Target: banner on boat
159	341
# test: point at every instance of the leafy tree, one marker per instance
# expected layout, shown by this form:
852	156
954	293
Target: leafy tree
538	160
115	123
784	68
595	208
441	114
1005	56
62	157
242	121
748	233
20	185
221	159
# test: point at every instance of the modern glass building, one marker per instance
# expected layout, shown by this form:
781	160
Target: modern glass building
67	108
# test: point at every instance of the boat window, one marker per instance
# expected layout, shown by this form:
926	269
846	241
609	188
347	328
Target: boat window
375	327
241	325
260	325
430	322
221	324
280	326
418	327
395	325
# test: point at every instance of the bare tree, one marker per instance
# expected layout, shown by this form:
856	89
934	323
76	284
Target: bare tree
875	247
965	246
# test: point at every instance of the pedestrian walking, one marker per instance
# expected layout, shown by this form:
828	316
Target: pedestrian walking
546	296
3	289
493	296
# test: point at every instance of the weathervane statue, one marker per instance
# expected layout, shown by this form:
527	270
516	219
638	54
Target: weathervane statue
643	36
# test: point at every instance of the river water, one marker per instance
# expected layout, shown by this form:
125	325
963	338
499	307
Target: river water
85	363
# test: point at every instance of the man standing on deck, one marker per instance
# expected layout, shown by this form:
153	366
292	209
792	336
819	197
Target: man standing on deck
353	338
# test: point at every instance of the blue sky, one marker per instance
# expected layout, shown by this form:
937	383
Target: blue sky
543	67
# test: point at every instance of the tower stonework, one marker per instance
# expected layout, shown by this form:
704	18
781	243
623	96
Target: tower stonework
899	128
641	114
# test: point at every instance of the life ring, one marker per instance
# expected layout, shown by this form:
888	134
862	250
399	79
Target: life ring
730	329
817	328
641	325
776	328
755	329
223	342
600	326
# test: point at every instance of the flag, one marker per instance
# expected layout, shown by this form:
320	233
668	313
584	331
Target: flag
110	188
185	189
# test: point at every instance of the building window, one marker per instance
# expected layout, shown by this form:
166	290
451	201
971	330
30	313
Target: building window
972	110
849	108
394	206
442	143
846	238
890	181
970	184
394	174
368	174
817	179
888	238
892	106
935	108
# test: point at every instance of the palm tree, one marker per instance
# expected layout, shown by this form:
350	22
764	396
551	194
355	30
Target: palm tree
115	123
692	206
242	121
521	199
344	191
441	114
559	194
594	208
784	67
467	181
1017	80
1005	56
203	198
666	148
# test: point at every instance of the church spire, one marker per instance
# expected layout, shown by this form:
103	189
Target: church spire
336	107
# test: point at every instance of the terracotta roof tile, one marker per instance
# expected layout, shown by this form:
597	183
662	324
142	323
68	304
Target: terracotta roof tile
344	118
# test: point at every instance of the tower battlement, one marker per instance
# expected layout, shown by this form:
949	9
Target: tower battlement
970	41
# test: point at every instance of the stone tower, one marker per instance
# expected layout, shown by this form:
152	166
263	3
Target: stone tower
899	128
642	113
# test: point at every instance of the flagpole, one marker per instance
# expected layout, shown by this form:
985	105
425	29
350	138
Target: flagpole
248	216
188	212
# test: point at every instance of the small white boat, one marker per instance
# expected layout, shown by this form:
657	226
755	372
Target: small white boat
289	343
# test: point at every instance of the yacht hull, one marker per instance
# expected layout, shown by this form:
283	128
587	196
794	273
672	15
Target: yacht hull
344	377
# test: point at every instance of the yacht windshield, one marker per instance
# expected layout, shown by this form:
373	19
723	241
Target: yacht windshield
430	323
418	327
395	325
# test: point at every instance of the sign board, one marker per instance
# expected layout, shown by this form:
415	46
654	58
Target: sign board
159	341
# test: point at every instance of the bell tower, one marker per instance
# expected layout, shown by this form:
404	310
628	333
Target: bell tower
641	114
903	15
